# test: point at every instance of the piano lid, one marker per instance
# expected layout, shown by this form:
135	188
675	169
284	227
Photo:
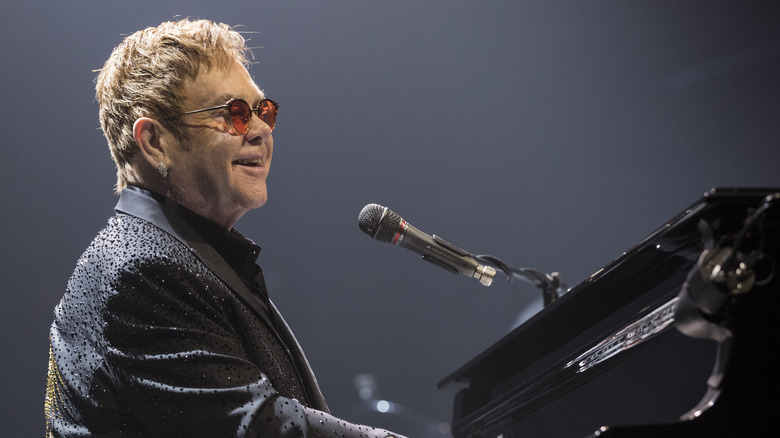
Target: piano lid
613	296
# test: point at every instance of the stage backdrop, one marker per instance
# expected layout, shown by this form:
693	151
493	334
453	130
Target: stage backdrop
552	134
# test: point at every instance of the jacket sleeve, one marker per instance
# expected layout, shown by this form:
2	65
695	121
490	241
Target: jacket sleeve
177	363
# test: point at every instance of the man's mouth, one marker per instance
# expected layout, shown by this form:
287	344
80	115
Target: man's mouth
252	162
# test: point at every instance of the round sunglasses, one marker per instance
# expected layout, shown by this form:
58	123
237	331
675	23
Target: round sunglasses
238	113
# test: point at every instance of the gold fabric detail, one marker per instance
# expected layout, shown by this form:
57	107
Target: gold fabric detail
53	396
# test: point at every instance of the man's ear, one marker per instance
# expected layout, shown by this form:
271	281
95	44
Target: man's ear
150	137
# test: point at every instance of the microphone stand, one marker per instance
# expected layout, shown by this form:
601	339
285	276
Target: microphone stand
550	284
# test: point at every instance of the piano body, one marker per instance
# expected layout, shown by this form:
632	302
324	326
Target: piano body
610	357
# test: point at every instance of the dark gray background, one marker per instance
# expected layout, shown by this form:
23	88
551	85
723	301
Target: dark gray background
554	135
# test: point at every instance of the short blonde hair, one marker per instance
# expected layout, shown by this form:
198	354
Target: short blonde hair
145	74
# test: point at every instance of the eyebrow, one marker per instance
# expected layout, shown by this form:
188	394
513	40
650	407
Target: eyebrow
225	97
221	99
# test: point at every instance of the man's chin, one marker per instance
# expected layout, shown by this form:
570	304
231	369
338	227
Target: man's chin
258	201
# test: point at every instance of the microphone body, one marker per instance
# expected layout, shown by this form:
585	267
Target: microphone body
384	225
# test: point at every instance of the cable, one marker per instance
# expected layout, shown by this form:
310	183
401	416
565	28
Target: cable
551	285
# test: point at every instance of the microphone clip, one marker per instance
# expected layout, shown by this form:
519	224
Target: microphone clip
483	273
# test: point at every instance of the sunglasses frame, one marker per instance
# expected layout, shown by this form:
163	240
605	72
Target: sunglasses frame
229	117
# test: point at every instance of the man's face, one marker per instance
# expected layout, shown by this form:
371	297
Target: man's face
220	174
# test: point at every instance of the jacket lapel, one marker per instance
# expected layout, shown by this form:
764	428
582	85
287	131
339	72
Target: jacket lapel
146	208
143	207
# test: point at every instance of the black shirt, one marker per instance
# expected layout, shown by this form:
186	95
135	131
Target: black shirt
238	250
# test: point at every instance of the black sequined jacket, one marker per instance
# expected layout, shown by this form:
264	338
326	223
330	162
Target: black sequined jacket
157	335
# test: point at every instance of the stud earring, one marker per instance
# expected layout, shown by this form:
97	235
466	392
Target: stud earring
163	169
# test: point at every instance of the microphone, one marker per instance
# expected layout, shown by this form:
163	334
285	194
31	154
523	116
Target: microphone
385	225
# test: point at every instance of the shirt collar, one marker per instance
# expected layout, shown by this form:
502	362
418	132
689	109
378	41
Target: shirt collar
237	249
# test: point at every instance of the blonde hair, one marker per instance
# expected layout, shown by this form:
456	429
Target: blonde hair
145	74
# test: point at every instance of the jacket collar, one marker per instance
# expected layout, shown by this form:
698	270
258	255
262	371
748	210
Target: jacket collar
160	213
164	216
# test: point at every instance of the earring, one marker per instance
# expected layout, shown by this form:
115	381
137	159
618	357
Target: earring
163	169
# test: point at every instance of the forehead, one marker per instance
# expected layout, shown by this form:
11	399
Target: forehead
216	85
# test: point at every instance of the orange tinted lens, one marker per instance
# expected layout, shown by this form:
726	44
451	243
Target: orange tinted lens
240	115
267	112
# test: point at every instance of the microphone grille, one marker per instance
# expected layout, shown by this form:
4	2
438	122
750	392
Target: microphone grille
379	222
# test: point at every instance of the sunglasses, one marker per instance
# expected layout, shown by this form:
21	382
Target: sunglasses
238	113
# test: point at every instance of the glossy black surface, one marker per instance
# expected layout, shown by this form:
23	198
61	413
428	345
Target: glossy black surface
522	385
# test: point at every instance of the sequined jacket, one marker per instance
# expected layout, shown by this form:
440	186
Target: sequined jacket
157	336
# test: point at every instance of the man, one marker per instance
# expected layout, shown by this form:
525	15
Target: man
166	328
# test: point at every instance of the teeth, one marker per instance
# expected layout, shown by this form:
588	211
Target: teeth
249	162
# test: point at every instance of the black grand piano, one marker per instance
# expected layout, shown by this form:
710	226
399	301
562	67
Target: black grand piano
677	337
